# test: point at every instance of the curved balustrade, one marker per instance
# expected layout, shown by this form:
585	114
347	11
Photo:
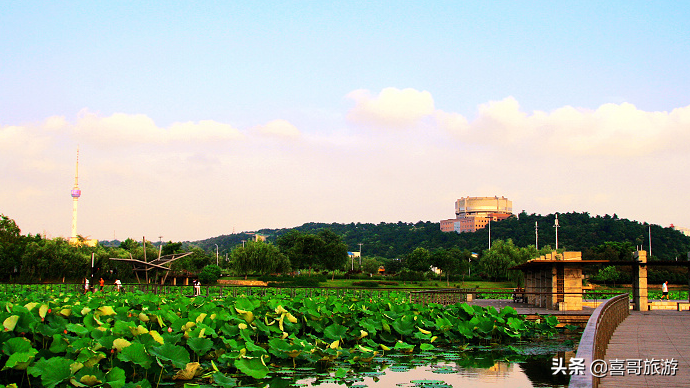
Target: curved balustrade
596	336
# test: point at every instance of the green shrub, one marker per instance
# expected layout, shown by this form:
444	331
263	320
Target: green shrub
366	283
294	281
209	274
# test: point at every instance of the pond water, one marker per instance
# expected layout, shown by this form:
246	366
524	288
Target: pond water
526	365
448	375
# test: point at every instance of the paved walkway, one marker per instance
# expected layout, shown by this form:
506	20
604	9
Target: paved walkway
658	334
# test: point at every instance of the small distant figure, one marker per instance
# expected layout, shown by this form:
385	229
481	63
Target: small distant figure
664	290
197	288
101	283
86	285
118	285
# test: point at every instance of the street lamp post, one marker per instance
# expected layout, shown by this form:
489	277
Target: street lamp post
216	254
556	226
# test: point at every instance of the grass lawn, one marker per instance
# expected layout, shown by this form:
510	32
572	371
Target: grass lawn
426	284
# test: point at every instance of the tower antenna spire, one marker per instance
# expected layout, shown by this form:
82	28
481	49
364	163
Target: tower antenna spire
76	193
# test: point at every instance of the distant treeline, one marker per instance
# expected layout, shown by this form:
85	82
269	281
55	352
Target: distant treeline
577	232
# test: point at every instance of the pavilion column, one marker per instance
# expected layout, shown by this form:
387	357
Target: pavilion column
640	281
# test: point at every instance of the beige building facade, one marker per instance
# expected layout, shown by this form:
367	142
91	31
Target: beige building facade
474	213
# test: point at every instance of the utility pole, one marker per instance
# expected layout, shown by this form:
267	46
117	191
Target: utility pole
360	254
536	234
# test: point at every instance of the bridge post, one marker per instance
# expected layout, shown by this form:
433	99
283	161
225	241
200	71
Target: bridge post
639	283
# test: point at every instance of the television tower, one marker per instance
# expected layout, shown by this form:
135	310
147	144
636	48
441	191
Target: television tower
76	193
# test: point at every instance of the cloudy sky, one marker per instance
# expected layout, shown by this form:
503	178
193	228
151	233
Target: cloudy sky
206	118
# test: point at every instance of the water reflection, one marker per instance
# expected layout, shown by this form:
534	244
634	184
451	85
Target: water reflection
445	370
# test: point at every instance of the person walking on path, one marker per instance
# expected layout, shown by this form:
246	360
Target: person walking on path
86	285
101	283
664	290
118	284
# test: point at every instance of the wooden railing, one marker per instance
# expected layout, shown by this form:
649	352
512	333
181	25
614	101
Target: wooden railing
600	327
444	297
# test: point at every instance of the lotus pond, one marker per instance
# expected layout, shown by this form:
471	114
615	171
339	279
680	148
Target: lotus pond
135	339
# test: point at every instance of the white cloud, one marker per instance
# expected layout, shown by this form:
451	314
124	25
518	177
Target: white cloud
392	108
122	129
278	128
194	180
611	130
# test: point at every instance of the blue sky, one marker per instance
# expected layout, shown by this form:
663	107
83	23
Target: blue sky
195	119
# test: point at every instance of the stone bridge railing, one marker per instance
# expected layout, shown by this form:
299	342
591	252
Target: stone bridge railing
600	327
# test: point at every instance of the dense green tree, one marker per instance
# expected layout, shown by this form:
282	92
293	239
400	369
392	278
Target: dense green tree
302	249
418	260
129	244
333	254
209	274
451	261
258	257
496	261
12	245
370	265
170	248
55	258
194	262
609	274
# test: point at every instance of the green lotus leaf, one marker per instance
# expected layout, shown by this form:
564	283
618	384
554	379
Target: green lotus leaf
115	378
20	360
551	320
135	353
139	384
178	355
335	331
404	347
123	328
404	325
253	367
52	371
200	346
59	344
223	380
77	329
16	345
426	347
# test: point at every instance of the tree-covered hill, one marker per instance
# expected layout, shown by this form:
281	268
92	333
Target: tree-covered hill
577	232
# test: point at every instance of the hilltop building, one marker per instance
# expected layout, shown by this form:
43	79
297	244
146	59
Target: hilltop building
474	213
